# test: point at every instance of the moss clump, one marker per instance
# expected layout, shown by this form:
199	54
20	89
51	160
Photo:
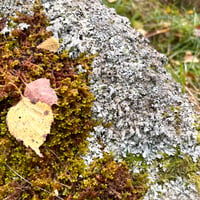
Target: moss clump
197	127
61	173
179	165
108	179
177	118
136	161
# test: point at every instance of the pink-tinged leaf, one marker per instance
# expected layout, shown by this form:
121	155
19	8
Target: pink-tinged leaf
190	58
197	31
40	90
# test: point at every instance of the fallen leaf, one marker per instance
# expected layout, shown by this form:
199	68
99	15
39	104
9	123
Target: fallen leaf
30	123
40	90
112	1
189	58
197	31
190	12
50	44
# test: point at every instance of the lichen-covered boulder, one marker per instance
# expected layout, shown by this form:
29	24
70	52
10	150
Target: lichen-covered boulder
146	120
150	119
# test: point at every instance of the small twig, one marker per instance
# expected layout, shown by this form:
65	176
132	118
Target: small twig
193	98
23	80
16	88
27	181
148	35
54	154
18	174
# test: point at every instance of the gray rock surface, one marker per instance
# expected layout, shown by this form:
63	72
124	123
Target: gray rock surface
149	114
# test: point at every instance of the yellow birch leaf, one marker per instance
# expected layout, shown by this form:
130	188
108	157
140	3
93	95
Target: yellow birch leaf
112	1
30	123
50	44
190	12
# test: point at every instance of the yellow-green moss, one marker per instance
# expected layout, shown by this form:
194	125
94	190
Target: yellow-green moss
62	171
197	126
176	111
178	165
136	161
169	167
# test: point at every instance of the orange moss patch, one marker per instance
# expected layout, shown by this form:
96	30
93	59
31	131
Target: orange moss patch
109	179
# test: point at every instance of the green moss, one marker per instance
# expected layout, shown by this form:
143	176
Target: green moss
197	126
195	178
178	165
174	111
169	167
62	171
136	161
